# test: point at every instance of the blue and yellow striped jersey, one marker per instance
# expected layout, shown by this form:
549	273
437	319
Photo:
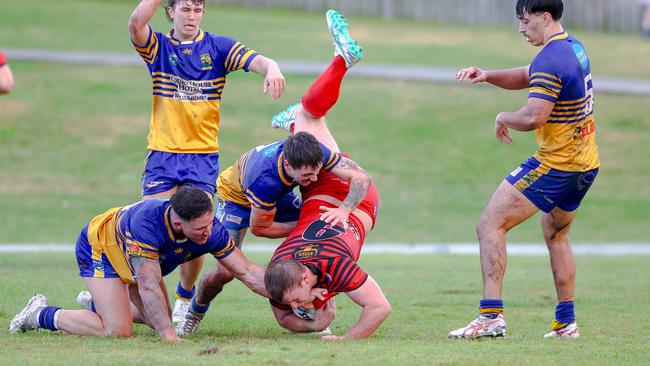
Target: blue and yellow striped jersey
561	73
188	79
259	178
144	229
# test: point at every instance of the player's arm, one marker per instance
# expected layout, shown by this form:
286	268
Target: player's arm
531	117
512	79
359	181
140	18
6	77
288	320
274	81
251	274
375	309
262	224
154	301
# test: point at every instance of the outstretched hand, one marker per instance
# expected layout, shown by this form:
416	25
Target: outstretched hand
274	83
335	215
471	74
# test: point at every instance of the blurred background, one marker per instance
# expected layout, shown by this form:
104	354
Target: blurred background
73	131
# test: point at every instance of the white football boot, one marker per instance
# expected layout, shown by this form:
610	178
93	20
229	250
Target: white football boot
85	300
565	330
181	307
189	324
27	319
482	326
286	118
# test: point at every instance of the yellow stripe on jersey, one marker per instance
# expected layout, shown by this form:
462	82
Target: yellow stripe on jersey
284	179
244	58
334	158
258	202
230	246
547	75
168	224
184	126
545	81
149	52
543	91
574	101
231	55
563	35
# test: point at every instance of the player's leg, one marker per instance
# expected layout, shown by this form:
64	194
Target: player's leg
506	209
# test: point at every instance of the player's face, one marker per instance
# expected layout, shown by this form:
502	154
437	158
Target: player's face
187	17
199	229
532	27
298	296
303	176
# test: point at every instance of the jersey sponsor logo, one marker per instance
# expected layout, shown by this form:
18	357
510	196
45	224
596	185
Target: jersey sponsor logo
173	59
233	218
98	265
178	251
515	172
320	230
584	131
133	249
206	61
306	251
154	184
581	55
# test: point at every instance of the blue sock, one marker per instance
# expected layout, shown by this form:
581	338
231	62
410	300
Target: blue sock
46	317
198	309
184	294
565	312
491	307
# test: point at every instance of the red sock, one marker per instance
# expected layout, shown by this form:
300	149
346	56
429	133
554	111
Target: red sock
324	92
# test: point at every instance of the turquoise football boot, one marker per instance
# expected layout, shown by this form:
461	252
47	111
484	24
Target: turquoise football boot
344	45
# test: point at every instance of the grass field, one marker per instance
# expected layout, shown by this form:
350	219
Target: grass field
611	310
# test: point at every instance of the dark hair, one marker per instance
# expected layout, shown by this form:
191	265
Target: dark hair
190	203
303	150
553	7
282	276
172	3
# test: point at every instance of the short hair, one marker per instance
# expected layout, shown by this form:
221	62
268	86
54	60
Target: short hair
553	7
303	150
190	203
172	3
281	276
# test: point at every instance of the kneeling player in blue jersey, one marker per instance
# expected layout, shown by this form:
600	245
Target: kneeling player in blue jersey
136	246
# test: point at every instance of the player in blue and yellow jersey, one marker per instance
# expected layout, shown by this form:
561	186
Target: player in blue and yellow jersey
561	111
188	68
137	245
340	199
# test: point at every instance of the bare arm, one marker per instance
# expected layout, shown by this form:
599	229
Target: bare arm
512	79
251	274
6	79
359	180
288	320
262	224
375	309
139	20
533	116
274	81
154	301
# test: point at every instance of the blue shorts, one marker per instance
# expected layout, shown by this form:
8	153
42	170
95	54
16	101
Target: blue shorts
164	171
548	188
237	217
92	264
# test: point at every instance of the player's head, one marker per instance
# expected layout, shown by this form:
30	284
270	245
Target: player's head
535	16
287	282
192	213
186	16
303	157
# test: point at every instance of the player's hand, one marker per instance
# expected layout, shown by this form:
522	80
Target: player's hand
335	216
471	74
170	336
325	315
501	131
274	82
332	338
318	293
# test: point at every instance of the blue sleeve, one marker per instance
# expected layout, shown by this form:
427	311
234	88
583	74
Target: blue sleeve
235	55
264	192
149	50
545	77
219	242
143	238
330	159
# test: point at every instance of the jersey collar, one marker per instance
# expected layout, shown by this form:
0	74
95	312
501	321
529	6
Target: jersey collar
282	172
199	37
558	36
168	225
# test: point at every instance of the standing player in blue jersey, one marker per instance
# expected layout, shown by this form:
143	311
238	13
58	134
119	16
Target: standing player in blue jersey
136	246
188	68
555	179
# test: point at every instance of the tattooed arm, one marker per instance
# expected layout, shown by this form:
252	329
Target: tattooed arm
359	181
153	299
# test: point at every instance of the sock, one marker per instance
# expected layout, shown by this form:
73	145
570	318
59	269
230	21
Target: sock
197	309
324	92
184	294
491	307
565	312
47	317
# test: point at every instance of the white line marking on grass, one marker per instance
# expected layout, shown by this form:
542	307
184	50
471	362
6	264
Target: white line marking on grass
525	249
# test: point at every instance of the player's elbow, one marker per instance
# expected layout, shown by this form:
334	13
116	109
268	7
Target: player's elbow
262	231
135	24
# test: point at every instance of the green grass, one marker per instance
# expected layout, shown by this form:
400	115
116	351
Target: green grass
611	310
72	142
284	34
